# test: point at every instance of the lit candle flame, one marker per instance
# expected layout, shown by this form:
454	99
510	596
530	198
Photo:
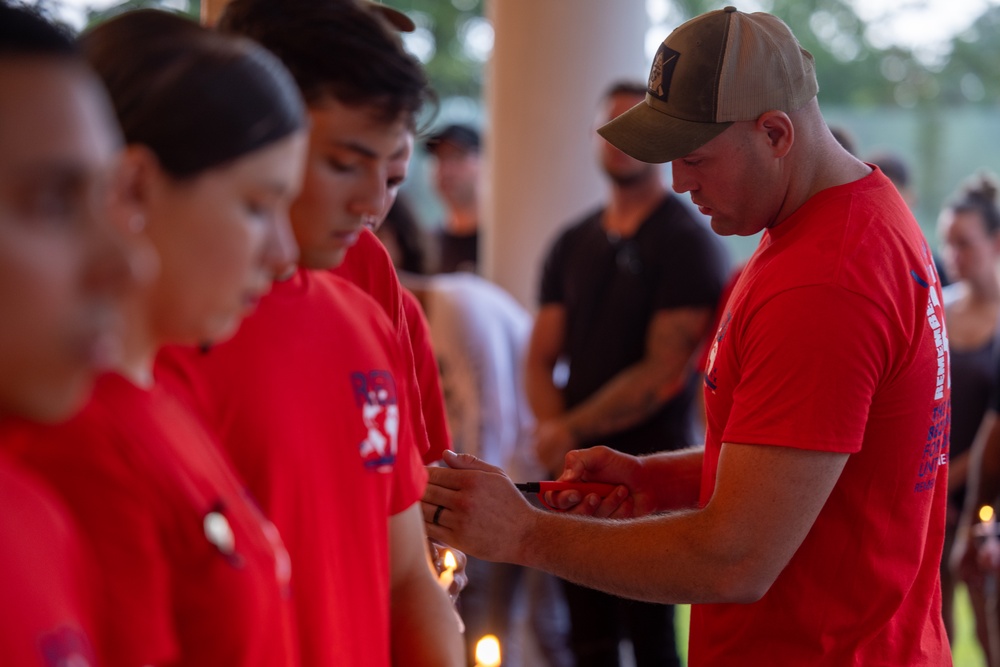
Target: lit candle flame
447	575
488	652
985	513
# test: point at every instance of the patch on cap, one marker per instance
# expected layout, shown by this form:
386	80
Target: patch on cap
662	72
735	67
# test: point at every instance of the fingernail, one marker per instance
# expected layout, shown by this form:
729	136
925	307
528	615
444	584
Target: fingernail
593	500
573	497
621	492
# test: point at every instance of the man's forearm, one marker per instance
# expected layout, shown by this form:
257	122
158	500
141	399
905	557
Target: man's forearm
545	399
626	400
668	559
671	480
679	474
638	391
730	551
423	622
424	626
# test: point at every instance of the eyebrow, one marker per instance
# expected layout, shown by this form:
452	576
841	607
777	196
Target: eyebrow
363	150
355	147
275	187
62	171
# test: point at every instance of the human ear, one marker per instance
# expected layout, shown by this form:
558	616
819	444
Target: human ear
779	130
995	238
131	185
128	207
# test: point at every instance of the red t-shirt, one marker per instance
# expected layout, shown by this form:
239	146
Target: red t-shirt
727	291
428	378
192	573
309	401
368	265
834	341
47	617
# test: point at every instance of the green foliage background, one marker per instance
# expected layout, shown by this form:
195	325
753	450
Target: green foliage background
939	116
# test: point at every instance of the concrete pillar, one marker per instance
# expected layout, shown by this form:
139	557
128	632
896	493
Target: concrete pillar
551	61
211	10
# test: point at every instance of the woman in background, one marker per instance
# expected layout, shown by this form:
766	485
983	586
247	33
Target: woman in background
969	228
192	573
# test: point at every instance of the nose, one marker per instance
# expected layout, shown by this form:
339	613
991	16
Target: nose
370	197
281	252
682	181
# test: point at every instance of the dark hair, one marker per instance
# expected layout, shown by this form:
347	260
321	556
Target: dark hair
404	226
979	195
625	87
25	31
195	98
335	48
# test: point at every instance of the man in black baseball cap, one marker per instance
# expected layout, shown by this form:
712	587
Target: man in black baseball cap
455	149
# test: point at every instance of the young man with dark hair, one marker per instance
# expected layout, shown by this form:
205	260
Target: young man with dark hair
312	398
809	529
62	271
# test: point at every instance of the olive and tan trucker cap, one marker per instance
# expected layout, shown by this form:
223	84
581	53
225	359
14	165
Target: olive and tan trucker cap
717	68
396	18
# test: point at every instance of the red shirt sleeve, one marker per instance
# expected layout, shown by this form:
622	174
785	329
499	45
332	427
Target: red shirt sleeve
48	615
91	469
720	311
428	380
809	370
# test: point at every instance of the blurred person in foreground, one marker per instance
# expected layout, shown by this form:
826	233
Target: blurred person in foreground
809	528
63	271
191	572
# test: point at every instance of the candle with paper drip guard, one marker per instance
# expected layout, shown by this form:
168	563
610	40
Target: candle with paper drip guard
488	652
447	575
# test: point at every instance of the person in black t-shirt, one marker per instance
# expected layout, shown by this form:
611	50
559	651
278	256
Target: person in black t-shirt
455	149
627	295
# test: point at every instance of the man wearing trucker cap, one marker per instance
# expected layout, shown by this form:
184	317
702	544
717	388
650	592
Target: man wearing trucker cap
809	528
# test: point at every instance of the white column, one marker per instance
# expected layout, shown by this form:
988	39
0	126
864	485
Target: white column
211	10
551	61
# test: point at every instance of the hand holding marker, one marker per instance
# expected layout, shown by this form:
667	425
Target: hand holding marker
584	488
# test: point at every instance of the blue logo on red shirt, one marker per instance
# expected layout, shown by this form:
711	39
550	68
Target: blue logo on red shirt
66	647
711	375
375	395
